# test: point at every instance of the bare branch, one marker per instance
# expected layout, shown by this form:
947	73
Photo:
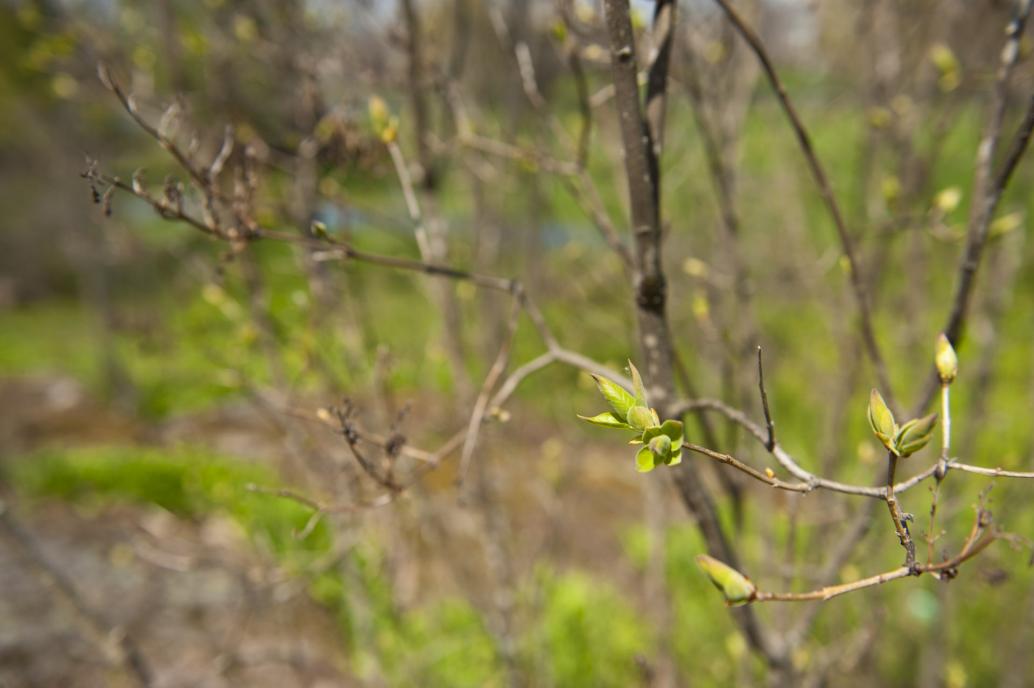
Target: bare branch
502	359
769	425
991	472
900	527
969	550
752	472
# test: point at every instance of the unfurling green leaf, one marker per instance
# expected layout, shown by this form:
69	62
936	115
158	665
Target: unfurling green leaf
946	360
913	435
637	385
661	448
736	587
673	429
616	395
881	420
644	460
668	434
608	420
641	418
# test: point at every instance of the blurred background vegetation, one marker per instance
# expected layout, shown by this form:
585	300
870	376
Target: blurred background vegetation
158	389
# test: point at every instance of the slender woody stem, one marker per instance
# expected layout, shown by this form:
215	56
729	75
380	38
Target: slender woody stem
942	469
895	513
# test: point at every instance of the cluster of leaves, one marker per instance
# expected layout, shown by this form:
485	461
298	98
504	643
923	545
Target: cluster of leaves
661	442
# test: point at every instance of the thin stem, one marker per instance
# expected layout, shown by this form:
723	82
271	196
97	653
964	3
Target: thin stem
752	472
942	469
787	461
895	513
769	425
970	550
992	472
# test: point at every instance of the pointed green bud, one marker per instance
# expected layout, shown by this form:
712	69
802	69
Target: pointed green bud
913	435
881	420
736	587
637	384
644	460
616	395
607	419
946	360
640	417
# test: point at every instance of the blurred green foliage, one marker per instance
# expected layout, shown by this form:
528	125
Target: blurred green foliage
585	633
186	341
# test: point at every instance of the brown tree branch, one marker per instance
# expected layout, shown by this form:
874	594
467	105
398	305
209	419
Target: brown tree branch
649	283
968	551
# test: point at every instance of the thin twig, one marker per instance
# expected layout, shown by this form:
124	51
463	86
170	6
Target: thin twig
769	425
787	461
991	472
320	509
895	513
831	591
498	367
752	472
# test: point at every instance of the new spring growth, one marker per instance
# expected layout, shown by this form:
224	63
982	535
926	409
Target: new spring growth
947	364
881	420
903	440
662	442
735	587
385	124
913	435
946	360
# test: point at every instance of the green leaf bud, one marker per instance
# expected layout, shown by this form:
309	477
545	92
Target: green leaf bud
385	125
661	448
913	435
735	587
640	417
673	430
946	360
881	420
